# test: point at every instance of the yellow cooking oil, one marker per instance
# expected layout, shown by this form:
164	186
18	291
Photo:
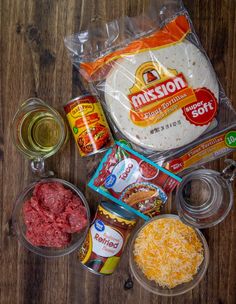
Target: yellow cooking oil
39	132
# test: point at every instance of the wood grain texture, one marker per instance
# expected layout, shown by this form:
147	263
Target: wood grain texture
34	62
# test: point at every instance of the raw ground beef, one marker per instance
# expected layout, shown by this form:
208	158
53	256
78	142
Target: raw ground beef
52	214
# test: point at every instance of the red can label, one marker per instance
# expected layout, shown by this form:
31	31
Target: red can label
88	124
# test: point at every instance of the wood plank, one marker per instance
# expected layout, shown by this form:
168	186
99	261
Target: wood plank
220	44
1	158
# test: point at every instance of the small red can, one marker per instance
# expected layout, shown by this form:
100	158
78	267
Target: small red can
88	124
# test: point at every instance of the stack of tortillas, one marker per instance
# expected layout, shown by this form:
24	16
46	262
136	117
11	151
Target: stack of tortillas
183	57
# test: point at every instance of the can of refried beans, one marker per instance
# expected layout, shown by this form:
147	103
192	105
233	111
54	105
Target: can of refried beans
106	239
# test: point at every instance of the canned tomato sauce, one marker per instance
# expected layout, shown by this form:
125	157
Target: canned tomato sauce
106	239
88	124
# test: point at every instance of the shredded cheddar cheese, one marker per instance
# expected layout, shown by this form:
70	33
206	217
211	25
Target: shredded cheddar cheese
168	252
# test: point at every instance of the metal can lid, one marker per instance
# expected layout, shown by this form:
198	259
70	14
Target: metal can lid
118	210
84	95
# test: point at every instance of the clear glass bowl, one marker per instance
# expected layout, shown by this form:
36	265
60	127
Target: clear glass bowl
152	286
20	228
24	117
204	198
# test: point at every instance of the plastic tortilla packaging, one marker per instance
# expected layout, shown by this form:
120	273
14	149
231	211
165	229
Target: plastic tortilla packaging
155	80
210	149
133	181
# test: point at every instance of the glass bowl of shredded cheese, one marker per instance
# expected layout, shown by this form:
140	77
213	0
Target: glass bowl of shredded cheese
168	257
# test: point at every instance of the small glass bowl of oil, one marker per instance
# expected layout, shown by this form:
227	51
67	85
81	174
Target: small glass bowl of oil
38	130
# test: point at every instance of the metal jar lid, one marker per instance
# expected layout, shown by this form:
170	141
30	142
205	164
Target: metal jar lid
118	211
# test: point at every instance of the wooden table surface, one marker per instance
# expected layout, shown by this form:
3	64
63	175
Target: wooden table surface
34	62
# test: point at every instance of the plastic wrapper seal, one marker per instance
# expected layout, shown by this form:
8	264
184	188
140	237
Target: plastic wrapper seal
155	80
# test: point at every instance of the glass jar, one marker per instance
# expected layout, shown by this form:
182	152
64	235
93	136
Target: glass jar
38	131
205	197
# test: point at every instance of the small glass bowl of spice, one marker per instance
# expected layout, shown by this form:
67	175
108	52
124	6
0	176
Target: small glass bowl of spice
51	217
168	257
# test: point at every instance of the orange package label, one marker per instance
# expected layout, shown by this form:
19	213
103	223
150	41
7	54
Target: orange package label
173	32
215	146
158	92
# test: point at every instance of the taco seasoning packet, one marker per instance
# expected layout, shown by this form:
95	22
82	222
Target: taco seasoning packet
133	181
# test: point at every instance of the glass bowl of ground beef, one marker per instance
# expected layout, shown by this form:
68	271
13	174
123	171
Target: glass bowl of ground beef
51	217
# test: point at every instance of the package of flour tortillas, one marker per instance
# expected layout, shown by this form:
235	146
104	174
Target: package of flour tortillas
157	85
